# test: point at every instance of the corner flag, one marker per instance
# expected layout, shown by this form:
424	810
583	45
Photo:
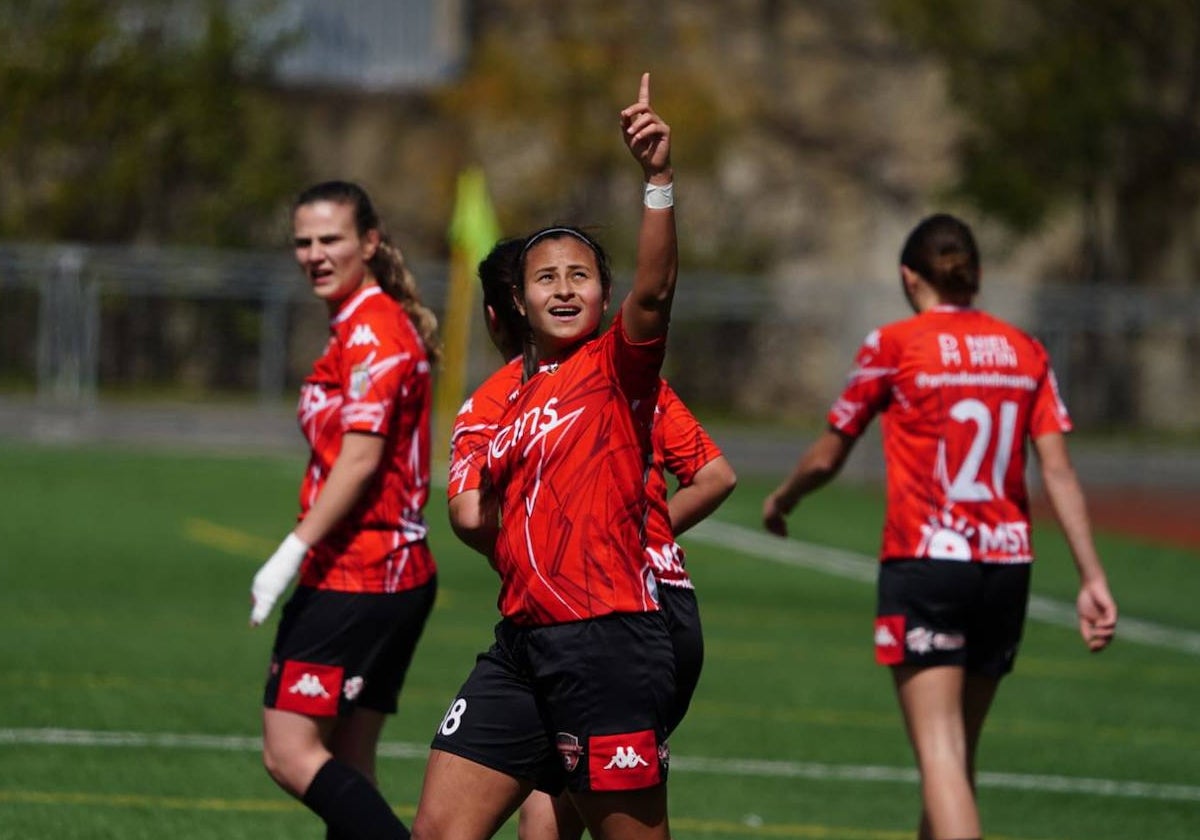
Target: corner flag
472	233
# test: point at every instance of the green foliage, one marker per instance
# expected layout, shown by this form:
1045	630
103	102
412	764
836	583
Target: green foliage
1076	100
137	120
554	88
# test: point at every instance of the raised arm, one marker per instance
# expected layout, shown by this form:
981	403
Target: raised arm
647	308
1095	605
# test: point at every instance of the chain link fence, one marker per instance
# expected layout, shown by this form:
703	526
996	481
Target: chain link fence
81	324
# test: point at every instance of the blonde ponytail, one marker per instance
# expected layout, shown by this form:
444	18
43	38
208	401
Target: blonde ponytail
392	273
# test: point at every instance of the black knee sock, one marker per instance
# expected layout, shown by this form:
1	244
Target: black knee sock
351	806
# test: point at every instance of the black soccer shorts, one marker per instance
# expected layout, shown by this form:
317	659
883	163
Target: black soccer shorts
948	612
338	650
679	605
582	705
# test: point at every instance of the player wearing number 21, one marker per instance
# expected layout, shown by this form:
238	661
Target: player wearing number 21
960	392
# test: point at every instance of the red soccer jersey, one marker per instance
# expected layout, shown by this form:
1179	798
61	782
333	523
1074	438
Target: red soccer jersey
569	459
961	391
374	377
475	425
681	448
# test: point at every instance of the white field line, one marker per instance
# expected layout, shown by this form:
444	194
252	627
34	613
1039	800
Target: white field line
860	567
733	767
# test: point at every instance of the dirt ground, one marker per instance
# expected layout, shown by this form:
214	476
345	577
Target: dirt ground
1170	517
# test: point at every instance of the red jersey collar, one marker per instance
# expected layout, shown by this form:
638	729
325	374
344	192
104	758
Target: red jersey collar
350	304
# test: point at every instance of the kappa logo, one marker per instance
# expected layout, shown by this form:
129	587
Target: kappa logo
889	631
362	335
309	685
626	758
884	637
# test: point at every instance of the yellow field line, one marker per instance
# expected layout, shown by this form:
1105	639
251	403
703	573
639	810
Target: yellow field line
751	827
128	800
234	541
229	540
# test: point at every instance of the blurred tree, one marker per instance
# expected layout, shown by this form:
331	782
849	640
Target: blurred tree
782	115
1088	101
549	84
139	120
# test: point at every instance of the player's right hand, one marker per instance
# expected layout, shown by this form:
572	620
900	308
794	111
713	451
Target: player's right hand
274	576
773	517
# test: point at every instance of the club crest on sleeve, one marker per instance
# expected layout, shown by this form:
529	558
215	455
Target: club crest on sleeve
360	381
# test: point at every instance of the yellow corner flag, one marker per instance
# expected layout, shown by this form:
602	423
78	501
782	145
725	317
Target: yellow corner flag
473	231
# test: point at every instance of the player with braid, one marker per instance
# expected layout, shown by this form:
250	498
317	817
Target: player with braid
367	577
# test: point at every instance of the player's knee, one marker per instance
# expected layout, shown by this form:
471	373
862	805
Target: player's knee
425	827
276	767
285	768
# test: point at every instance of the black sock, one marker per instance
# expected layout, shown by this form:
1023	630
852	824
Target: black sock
351	806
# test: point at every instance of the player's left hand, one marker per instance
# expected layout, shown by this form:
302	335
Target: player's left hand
1097	614
646	135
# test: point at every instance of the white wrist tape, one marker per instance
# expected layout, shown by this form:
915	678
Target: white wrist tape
275	575
659	197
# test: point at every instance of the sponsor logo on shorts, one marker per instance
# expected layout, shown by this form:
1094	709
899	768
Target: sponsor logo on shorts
352	688
923	640
619	762
625	758
570	750
889	630
309	688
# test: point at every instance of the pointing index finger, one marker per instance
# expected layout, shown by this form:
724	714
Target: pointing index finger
644	90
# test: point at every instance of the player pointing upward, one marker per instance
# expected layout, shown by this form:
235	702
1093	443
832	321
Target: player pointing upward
577	689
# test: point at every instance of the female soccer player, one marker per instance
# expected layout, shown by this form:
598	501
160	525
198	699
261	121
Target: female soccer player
960	392
367	577
681	448
576	691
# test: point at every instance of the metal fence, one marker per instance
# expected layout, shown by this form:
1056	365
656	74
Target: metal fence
84	323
